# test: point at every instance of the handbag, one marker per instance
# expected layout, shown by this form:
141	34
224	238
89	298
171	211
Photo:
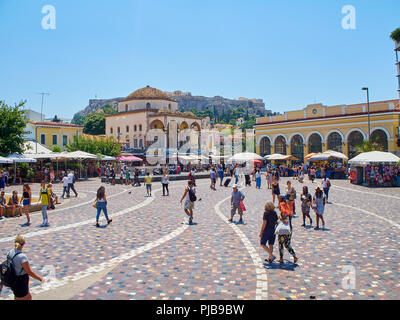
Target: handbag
283	229
242	206
95	204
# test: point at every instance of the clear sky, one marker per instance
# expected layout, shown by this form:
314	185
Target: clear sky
289	53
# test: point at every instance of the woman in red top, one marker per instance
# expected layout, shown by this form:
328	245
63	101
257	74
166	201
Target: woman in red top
286	210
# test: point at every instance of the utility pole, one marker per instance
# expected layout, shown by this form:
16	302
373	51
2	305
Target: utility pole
369	121
41	113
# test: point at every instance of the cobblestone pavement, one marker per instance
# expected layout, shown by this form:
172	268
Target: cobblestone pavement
150	252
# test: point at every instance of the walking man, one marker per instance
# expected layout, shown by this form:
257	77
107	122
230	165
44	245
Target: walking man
190	197
236	200
71	181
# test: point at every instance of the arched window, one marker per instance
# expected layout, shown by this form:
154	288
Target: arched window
119	130
111	130
140	127
354	139
148	105
297	147
265	146
169	106
135	128
379	136
126	107
315	143
280	145
127	128
335	142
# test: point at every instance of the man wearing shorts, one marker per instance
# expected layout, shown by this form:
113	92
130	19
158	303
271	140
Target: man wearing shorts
236	199
190	191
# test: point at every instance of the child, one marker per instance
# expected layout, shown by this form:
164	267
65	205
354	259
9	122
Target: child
44	197
147	181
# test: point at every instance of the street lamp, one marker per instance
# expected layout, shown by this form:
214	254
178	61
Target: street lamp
369	122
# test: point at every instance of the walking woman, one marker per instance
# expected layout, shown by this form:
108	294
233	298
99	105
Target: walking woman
285	208
306	205
267	233
284	238
101	204
22	270
319	206
26	201
165	182
269	179
275	191
258	179
291	195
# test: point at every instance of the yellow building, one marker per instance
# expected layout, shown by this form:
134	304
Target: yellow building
53	133
318	128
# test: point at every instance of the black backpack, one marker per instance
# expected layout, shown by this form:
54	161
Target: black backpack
192	196
7	272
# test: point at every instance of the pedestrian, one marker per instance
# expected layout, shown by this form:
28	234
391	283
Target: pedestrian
284	233
26	201
326	185
101	204
71	183
44	197
236	173
212	178
286	209
267	233
312	174
306	201
65	186
19	261
189	196
258	179
319	206
270	179
165	182
275	190
236	203
3	206
2	182
291	195
147	181
221	174
128	177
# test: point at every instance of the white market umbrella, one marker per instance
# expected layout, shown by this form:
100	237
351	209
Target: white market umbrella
5	160
278	156
19	158
245	156
374	157
328	155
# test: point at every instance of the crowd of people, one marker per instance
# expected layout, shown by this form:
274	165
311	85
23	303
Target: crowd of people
380	175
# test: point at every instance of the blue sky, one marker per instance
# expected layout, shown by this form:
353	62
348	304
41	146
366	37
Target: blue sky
289	53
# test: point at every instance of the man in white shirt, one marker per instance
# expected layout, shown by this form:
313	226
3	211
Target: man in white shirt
326	184
71	180
65	186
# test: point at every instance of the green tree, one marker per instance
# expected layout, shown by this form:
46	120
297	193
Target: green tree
56	148
105	146
78	119
12	125
367	146
95	123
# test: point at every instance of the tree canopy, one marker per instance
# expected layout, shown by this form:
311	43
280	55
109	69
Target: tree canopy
104	146
12	125
95	123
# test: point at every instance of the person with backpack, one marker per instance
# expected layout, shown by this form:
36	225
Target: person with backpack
326	185
236	203
190	197
44	197
71	183
16	270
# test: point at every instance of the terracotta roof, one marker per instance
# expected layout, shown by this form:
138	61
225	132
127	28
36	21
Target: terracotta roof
56	124
149	93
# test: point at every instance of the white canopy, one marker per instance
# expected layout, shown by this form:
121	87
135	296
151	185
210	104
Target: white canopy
374	157
5	160
329	154
107	158
30	148
19	158
278	156
245	156
80	155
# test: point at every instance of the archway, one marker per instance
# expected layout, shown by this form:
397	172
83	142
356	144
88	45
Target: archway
379	136
184	125
315	143
280	145
265	146
335	142
297	147
157	124
354	138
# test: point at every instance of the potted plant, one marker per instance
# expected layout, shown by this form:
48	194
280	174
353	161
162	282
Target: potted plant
395	35
30	174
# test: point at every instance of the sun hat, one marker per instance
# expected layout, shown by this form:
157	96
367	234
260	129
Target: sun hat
235	186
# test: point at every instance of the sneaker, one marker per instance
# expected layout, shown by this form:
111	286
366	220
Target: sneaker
97	225
190	220
47	225
303	225
240	220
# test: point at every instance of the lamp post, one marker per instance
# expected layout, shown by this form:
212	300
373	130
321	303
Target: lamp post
369	122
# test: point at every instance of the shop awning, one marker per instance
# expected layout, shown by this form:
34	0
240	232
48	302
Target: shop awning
374	157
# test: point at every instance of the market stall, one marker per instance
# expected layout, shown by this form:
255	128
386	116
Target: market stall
375	168
329	163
